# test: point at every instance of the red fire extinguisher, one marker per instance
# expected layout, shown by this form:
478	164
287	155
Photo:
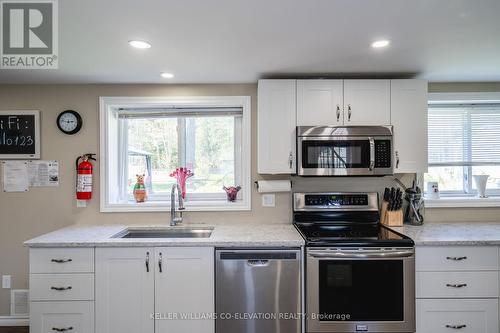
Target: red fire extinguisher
84	177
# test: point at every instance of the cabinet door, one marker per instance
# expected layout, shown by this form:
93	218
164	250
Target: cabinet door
320	102
184	289
461	315
367	102
70	317
276	126
124	289
409	119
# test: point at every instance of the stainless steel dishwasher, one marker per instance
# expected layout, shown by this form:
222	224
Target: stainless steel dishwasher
258	291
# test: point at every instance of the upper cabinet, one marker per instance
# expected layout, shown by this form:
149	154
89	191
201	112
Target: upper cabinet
285	104
343	102
367	102
320	102
409	119
276	126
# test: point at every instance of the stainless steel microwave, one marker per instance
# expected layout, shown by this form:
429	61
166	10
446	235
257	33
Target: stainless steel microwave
344	151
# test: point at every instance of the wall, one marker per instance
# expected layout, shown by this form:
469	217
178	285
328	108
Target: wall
26	215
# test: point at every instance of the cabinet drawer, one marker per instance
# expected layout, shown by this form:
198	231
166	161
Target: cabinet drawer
61	287
62	260
70	317
456	258
457	284
464	316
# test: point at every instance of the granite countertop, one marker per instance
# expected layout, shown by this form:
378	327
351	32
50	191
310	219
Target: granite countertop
231	235
453	233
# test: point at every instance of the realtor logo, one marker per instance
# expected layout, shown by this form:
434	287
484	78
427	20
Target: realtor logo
28	34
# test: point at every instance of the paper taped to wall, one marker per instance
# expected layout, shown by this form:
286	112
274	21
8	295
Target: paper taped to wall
43	173
15	176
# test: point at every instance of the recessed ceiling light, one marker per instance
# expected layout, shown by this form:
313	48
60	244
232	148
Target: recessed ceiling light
167	75
139	44
380	43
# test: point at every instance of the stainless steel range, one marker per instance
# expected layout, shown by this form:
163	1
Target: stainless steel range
360	275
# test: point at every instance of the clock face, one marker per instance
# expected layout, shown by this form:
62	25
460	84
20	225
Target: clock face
69	122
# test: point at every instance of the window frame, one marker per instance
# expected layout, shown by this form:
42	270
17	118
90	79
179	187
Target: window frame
467	196
110	153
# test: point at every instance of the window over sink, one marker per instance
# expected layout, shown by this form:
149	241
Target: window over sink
154	136
464	140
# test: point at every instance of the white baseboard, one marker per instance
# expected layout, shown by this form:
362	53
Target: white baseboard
14	321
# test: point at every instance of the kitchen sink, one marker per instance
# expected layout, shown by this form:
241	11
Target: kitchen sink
174	232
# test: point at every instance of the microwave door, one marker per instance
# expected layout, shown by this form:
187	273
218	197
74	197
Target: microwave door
329	157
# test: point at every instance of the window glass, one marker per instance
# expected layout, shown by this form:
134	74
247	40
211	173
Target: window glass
464	140
206	145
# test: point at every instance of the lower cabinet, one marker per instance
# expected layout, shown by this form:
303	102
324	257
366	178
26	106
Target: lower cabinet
71	317
150	290
461	315
457	289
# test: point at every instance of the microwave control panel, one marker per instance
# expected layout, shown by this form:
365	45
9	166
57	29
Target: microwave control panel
383	153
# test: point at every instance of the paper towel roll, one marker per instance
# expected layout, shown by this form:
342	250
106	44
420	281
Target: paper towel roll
267	186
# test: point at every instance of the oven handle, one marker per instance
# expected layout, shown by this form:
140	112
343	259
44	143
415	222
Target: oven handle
372	153
346	254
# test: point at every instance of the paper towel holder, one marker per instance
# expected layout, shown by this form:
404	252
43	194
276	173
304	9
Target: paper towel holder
256	182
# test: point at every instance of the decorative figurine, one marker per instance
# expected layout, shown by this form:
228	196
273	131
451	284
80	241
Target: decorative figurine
182	174
232	192
140	193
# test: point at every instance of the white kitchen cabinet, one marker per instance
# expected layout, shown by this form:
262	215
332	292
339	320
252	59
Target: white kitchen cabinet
320	102
185	286
457	289
276	126
152	290
70	317
367	102
409	121
461	315
124	289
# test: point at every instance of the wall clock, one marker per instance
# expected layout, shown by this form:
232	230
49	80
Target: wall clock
69	122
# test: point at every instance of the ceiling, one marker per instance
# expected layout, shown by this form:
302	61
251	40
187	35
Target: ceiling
232	41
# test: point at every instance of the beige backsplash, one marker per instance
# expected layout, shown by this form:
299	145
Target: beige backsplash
26	215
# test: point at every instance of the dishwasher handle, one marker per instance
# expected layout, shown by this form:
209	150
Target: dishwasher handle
255	256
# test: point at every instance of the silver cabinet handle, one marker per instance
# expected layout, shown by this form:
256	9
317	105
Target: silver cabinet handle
349	112
397	159
456	327
61	288
456	258
457	285
61	261
290	160
338	112
147	262
160	261
62	329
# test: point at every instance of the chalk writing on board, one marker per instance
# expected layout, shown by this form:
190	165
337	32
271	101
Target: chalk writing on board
17	134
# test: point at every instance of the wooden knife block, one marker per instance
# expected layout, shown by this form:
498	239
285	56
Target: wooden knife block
391	218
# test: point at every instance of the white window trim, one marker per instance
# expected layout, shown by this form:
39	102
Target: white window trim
106	107
463	201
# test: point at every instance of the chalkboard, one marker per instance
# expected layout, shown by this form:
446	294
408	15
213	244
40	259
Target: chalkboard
19	135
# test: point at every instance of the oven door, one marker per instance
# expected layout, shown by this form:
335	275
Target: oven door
360	290
336	156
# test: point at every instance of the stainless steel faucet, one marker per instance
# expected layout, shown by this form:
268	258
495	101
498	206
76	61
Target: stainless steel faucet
174	219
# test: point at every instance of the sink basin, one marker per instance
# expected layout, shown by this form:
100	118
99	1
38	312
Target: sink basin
165	233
